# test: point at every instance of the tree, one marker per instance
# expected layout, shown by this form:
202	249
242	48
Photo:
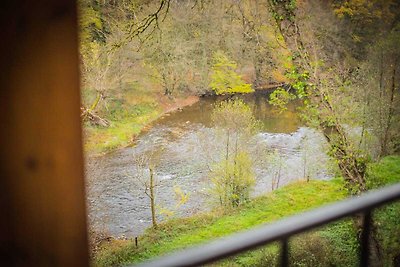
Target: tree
312	82
275	161
232	177
224	79
104	67
322	77
255	39
378	91
326	59
235	120
145	178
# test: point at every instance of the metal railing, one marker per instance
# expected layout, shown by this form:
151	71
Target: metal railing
282	230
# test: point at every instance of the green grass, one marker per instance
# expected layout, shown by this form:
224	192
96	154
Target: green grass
129	110
333	245
126	123
181	233
384	172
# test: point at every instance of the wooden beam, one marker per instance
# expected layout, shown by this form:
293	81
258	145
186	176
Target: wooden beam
42	196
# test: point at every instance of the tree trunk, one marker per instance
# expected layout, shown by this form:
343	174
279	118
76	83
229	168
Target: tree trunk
152	198
384	148
88	114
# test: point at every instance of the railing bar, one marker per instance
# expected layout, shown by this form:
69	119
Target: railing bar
285	253
364	260
240	242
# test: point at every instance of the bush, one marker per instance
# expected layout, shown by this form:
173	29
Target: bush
233	180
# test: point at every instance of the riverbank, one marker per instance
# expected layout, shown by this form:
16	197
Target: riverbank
137	115
334	245
124	128
180	233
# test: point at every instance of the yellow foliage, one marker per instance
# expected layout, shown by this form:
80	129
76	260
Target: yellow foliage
180	196
224	79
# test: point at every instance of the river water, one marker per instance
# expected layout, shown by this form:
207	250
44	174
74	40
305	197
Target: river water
185	145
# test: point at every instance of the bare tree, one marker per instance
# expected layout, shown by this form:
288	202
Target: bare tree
275	161
144	177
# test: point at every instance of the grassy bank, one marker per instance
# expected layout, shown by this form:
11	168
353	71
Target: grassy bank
181	233
128	118
334	245
121	131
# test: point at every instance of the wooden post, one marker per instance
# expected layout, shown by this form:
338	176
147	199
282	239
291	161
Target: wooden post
42	200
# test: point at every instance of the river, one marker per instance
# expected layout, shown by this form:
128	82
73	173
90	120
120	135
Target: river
185	144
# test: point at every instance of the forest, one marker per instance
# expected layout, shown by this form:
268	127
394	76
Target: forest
202	118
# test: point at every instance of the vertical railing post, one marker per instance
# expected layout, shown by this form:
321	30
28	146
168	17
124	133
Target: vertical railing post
285	253
364	260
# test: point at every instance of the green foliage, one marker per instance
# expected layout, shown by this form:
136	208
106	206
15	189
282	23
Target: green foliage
334	245
236	116
384	172
344	243
90	25
287	11
388	231
233	180
310	250
299	81
310	113
224	79
233	177
300	88
280	98
365	12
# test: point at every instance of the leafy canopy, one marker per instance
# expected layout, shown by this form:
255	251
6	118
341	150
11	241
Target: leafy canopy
224	79
235	116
